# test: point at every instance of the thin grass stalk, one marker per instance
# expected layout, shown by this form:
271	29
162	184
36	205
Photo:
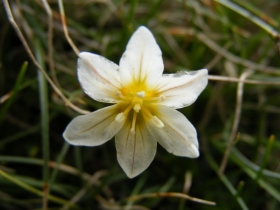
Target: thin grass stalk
237	116
44	107
245	13
50	42
64	25
29	52
60	158
266	157
14	91
226	182
32	189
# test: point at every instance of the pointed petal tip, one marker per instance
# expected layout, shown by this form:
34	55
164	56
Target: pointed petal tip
83	54
194	151
131	176
144	28
204	71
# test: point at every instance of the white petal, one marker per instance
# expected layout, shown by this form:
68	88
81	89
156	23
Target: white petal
94	128
178	136
142	60
136	151
183	88
99	77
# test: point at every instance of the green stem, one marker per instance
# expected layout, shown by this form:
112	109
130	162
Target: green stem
14	91
226	182
265	158
44	106
59	160
248	15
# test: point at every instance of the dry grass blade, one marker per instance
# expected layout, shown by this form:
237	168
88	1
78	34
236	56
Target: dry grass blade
171	194
28	50
231	79
237	116
64	25
50	42
92	180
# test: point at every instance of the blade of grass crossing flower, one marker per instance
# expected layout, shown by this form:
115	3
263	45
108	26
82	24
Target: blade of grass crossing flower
14	91
44	106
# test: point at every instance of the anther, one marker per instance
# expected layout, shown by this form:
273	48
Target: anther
120	117
132	130
141	94
137	107
157	122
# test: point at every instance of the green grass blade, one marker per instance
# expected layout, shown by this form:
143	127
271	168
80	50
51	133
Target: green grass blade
14	91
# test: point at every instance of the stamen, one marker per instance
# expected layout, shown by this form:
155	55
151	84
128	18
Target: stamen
128	109
132	130
160	98
137	107
141	94
147	112
120	117
157	122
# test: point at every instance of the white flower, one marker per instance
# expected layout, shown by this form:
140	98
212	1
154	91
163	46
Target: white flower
145	102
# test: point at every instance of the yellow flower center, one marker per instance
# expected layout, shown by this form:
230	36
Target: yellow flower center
138	100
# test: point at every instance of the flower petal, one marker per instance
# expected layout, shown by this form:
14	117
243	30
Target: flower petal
99	77
142	61
136	151
183	88
178	136
94	128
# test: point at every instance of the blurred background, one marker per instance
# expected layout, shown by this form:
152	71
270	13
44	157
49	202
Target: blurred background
237	116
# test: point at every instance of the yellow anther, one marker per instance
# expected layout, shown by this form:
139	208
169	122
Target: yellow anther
137	107
132	130
120	117
157	122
